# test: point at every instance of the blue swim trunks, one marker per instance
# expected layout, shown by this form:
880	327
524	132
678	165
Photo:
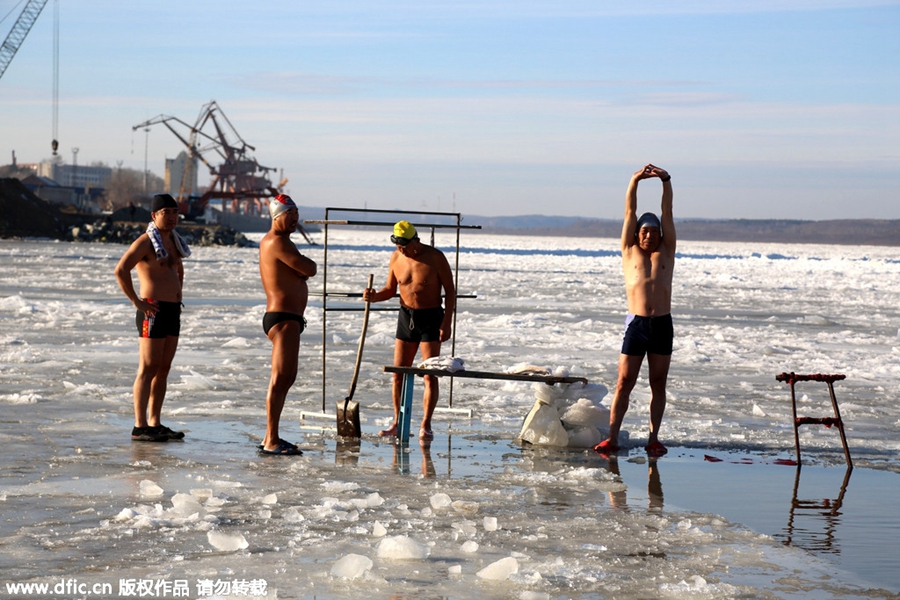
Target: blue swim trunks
643	335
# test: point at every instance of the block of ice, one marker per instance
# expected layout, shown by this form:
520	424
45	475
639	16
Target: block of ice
379	530
202	494
469	547
185	505
500	570
293	515
465	506
440	500
490	524
149	489
401	548
270	499
226	542
352	566
465	527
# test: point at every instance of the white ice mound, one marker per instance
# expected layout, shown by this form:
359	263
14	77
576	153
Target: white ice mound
584	413
237	342
566	415
500	570
226	542
352	566
401	548
196	382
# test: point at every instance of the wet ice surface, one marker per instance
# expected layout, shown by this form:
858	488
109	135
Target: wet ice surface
474	514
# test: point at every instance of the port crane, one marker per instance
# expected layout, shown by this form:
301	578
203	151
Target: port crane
13	42
237	178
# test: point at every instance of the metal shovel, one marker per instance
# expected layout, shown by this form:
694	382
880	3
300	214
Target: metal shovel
348	411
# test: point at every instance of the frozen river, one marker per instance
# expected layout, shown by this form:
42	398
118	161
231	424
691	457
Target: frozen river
474	514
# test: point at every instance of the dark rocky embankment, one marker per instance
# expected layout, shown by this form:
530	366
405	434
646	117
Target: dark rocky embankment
22	214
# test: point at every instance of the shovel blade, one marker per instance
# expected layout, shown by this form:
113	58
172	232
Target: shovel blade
348	419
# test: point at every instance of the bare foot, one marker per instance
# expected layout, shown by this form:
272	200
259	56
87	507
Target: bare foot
389	432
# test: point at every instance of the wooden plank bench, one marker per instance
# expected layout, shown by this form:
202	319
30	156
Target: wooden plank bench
410	373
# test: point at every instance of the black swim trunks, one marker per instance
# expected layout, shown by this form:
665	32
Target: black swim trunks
644	335
166	321
271	319
420	325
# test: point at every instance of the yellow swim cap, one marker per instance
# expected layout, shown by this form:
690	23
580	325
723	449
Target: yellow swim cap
404	232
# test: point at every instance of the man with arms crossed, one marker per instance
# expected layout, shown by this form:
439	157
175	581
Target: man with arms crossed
284	272
421	272
156	255
648	260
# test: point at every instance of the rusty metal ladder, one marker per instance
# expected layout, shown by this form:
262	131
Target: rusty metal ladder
792	378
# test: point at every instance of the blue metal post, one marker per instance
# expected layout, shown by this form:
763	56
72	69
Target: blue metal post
406	395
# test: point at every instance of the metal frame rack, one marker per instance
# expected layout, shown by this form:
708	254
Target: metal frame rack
400	214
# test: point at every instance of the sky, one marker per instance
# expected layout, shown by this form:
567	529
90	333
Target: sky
759	109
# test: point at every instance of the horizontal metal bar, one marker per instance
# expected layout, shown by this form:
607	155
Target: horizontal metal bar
384	224
387	211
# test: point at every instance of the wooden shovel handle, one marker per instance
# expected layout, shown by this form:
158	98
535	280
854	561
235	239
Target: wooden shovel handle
362	341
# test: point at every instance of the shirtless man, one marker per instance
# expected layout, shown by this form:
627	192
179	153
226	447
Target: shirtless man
421	272
284	272
158	317
648	260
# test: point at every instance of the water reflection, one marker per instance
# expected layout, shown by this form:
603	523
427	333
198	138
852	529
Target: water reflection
813	523
401	458
346	452
619	498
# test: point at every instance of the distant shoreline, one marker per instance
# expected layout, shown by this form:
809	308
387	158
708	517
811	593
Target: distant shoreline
856	232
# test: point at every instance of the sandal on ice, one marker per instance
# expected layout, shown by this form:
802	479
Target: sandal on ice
426	434
606	447
283	449
655	449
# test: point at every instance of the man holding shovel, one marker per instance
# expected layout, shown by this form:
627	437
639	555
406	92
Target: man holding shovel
284	272
420	272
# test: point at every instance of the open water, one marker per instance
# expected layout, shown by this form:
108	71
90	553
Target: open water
87	513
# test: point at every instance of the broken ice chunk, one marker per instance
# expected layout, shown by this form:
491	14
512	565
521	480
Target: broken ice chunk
226	542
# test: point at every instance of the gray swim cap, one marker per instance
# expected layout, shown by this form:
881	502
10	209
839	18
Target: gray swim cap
648	220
